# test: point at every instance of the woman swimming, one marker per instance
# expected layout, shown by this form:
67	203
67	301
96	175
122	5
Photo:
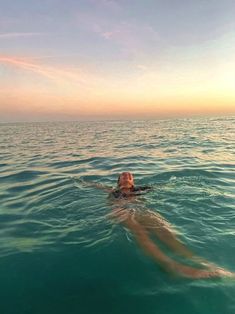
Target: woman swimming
144	224
126	188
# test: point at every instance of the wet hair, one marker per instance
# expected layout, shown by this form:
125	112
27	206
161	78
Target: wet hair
129	175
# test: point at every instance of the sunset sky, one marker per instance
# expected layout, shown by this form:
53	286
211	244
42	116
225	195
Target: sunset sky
98	59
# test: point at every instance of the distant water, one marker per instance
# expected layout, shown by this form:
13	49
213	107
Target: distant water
60	253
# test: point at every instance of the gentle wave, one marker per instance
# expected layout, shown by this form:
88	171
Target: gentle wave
47	209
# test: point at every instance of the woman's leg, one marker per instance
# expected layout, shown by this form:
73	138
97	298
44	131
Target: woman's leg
156	224
164	261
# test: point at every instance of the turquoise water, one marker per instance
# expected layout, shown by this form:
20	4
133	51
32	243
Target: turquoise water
59	250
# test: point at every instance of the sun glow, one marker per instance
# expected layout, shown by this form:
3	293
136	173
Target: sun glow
42	88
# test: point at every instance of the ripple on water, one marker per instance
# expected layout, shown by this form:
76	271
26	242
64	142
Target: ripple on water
45	207
23	176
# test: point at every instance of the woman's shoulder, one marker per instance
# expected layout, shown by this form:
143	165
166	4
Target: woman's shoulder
142	188
115	193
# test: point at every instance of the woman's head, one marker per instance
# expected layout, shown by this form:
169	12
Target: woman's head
125	180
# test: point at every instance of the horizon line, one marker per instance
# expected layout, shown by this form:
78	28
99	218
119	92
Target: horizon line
168	117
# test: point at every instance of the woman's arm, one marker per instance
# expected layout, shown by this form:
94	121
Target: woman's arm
96	185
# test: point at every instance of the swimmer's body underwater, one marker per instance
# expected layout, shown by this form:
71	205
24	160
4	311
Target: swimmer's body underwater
142	224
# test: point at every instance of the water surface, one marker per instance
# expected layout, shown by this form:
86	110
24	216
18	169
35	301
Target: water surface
60	253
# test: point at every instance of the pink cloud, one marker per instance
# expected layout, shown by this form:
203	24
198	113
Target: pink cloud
56	74
131	36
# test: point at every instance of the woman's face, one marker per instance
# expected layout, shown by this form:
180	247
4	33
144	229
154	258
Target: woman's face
126	180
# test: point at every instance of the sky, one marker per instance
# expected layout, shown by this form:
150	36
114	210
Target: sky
114	59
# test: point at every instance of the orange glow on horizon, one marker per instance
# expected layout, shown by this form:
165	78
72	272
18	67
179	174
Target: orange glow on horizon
40	89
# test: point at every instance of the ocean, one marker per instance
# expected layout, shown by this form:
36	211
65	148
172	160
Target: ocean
60	250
